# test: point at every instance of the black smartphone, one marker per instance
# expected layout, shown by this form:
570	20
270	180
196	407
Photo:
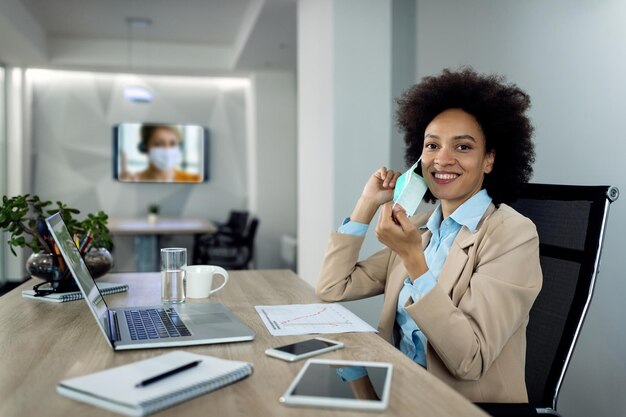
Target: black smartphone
304	349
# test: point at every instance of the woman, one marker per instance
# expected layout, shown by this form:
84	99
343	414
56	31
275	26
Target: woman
458	282
162	145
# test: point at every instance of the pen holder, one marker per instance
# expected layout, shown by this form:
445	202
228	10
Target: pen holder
46	266
99	261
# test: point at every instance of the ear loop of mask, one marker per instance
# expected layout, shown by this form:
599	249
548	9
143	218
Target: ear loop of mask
406	183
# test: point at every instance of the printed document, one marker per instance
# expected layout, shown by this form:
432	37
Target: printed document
296	319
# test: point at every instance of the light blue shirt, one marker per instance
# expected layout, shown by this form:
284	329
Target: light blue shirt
413	341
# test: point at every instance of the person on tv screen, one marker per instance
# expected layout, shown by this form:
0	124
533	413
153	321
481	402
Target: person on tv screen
162	145
459	280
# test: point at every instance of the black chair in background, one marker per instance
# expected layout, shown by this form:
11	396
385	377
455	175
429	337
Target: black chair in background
230	251
236	223
570	221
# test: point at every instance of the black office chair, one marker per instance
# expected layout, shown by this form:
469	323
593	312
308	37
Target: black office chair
227	250
236	223
570	222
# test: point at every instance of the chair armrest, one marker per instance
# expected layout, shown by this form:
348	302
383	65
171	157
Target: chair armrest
227	239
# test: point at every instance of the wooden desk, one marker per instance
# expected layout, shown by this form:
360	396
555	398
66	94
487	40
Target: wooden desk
147	235
42	343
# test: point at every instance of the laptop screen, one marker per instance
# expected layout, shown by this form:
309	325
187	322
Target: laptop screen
79	270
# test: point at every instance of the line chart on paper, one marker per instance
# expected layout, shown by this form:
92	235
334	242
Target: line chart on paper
295	319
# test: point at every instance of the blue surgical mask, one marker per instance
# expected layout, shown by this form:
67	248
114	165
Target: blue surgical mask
165	158
409	191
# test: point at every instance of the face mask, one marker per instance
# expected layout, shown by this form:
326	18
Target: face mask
165	158
409	191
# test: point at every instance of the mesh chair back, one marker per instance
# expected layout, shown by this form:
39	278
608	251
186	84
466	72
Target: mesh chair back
228	251
237	221
251	232
570	221
245	251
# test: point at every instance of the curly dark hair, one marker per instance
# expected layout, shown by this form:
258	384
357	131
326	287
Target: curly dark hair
499	109
146	131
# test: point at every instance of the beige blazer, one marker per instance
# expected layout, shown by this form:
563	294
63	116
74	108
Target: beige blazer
474	318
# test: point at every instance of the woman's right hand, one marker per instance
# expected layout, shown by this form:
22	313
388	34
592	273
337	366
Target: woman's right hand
379	187
377	191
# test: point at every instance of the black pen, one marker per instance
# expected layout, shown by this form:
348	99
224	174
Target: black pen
167	373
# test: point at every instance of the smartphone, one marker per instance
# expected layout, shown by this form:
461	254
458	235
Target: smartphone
305	349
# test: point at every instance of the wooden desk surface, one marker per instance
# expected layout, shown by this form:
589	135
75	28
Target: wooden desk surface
42	343
163	226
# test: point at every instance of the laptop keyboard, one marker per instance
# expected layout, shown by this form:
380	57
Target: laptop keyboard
155	323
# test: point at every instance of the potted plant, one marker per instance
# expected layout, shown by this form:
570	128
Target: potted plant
23	217
153	213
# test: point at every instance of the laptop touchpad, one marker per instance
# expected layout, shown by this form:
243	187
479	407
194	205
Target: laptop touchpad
209	318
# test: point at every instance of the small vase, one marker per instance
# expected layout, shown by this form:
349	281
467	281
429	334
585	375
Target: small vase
153	218
99	261
46	266
41	265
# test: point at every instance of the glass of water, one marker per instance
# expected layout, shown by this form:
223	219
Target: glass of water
173	265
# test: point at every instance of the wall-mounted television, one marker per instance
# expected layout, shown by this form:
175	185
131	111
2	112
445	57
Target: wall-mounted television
160	152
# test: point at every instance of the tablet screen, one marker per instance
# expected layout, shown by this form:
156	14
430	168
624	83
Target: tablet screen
341	384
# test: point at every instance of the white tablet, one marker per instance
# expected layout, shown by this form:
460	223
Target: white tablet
341	384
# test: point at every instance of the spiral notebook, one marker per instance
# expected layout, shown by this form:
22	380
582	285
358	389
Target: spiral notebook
106	288
115	389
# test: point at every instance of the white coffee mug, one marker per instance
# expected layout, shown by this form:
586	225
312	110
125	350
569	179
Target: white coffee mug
200	278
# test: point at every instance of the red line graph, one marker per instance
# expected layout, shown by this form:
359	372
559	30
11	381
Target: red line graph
334	320
304	317
310	318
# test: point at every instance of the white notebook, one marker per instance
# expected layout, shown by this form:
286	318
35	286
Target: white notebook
115	389
106	288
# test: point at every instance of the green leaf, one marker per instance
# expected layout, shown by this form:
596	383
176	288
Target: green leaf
15	214
18	241
24	211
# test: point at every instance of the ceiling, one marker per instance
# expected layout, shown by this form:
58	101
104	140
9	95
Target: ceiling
180	37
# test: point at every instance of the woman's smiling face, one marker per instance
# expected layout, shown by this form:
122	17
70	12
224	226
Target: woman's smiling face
454	158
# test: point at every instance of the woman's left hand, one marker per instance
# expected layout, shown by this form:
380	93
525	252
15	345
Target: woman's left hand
396	231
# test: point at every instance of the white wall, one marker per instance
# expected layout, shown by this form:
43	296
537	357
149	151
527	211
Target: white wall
17	163
3	161
402	69
344	108
345	120
72	117
354	58
363	101
571	58
315	133
21	37
274	169
252	163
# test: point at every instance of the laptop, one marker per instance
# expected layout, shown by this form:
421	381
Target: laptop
148	327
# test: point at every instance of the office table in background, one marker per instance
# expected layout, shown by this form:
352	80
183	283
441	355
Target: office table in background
147	235
43	343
